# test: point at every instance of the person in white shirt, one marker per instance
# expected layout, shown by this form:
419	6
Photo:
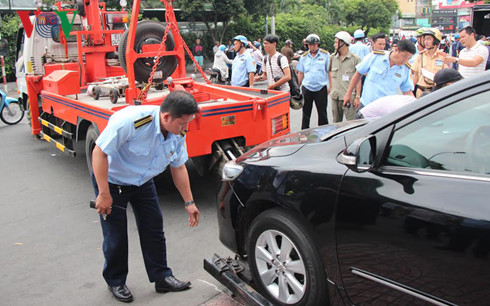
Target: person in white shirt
384	106
473	58
221	61
277	76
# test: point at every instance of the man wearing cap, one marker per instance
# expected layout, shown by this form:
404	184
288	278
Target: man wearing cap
386	73
243	68
287	51
313	77
428	62
342	68
446	77
472	59
358	47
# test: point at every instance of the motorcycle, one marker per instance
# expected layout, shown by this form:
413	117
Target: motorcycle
11	112
215	76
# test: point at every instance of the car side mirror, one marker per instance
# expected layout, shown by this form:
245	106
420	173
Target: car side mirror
359	156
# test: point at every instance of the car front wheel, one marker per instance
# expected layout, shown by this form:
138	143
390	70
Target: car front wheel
284	261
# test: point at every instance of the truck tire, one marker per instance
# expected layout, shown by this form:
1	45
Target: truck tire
90	139
80	7
113	95
149	32
277	242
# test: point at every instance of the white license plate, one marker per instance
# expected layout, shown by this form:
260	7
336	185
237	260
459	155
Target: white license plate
115	39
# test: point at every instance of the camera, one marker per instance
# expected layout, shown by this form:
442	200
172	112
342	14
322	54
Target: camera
275	80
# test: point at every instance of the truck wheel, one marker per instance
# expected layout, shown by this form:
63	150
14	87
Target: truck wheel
80	7
285	264
113	95
90	139
149	32
96	92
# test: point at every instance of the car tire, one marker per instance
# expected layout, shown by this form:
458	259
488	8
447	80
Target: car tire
149	32
271	265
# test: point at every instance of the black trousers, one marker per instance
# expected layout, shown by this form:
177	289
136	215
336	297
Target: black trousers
321	99
149	221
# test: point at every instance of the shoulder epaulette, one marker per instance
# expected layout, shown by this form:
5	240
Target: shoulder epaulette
323	51
408	65
183	133
306	53
142	121
379	52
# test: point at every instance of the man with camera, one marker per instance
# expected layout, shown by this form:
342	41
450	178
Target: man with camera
276	66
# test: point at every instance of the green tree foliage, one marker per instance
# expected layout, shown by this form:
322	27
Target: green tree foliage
8	30
369	13
211	12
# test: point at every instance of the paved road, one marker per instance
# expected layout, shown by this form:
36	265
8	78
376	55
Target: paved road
50	250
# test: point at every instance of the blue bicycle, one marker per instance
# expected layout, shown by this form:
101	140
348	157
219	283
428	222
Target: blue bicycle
11	111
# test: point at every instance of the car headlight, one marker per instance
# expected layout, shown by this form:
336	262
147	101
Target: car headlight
231	171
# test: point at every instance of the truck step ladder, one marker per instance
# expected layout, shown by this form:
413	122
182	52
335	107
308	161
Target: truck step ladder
50	130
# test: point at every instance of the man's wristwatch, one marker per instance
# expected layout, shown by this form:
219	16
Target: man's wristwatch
188	203
456	59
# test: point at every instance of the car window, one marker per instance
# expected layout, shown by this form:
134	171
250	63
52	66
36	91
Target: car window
454	138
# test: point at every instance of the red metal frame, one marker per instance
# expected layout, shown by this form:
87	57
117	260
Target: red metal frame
236	113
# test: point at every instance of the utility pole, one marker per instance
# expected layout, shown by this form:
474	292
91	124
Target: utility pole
273	20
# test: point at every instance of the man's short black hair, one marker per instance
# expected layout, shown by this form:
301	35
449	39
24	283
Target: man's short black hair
406	45
271	38
469	30
377	36
179	103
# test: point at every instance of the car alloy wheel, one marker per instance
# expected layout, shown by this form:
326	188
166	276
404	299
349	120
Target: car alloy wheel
280	266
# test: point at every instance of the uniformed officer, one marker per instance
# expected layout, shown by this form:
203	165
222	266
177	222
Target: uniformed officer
313	77
358	47
138	143
429	61
342	68
244	66
386	72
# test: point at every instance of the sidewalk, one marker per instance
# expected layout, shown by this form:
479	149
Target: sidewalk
11	89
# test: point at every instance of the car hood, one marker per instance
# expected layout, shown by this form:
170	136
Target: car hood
290	143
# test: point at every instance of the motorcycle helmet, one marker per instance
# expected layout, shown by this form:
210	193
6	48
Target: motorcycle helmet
222	47
344	36
434	33
297	102
358	34
312	39
242	39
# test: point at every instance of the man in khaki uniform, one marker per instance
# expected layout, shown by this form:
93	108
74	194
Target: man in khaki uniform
342	68
428	62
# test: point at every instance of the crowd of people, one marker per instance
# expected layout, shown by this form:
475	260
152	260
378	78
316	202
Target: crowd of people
360	71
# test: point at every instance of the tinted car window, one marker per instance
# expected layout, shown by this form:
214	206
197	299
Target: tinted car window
454	138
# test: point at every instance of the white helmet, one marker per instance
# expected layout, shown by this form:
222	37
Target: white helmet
344	36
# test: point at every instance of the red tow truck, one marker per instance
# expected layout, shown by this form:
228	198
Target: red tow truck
151	60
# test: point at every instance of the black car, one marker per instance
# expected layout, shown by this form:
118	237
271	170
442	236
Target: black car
390	211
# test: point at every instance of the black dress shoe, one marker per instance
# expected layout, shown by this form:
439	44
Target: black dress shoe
170	283
121	293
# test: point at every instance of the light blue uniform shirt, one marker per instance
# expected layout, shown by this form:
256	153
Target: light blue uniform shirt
136	155
382	80
315	70
359	49
243	64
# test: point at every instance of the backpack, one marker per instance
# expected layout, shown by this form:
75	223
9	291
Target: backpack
294	89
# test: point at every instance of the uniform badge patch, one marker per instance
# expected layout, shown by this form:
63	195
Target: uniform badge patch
143	121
